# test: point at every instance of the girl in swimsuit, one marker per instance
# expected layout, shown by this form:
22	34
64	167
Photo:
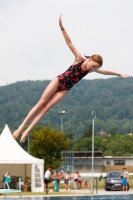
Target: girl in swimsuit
60	85
76	177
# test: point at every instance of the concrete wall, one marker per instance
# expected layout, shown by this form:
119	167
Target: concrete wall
87	161
88	169
128	161
84	164
118	168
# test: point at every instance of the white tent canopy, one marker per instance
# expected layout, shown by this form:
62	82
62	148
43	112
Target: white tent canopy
12	153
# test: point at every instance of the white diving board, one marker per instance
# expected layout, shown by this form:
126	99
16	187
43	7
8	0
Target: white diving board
10	191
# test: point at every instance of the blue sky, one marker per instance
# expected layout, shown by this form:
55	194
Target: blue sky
32	46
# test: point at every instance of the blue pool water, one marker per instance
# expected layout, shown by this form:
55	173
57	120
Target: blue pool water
100	197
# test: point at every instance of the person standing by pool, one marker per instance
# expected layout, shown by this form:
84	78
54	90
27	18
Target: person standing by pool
7	180
62	174
79	183
57	176
47	176
66	181
76	177
125	177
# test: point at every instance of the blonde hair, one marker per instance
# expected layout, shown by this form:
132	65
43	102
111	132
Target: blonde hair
97	58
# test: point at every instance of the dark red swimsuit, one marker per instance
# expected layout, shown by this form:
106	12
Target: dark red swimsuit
71	76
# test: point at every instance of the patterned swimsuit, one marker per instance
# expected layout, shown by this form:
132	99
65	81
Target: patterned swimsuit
71	76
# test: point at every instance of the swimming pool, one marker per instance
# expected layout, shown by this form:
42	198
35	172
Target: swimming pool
99	197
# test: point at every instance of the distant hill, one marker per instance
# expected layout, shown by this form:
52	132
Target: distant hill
112	99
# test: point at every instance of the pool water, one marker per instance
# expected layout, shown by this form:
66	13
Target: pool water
99	197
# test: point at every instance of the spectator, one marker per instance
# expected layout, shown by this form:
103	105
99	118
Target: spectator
86	184
66	181
62	174
7	180
46	178
76	177
125	177
79	183
57	176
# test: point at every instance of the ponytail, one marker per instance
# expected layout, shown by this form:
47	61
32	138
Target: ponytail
97	58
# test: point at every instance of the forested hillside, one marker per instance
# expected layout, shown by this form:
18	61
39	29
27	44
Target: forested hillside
112	99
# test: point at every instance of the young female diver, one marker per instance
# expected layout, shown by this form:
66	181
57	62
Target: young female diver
60	85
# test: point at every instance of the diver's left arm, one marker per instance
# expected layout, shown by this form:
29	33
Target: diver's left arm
106	72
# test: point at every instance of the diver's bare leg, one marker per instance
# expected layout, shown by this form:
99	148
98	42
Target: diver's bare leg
47	94
52	102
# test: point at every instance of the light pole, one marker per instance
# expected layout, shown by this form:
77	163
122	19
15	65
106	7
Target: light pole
93	118
62	113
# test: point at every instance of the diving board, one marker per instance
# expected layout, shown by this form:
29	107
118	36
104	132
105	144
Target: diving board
10	191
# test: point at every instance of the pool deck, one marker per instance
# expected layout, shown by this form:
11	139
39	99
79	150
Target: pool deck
77	193
88	192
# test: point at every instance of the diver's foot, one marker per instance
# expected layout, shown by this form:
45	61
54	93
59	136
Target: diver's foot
17	132
23	136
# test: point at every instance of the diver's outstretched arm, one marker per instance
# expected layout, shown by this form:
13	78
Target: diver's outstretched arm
107	72
78	56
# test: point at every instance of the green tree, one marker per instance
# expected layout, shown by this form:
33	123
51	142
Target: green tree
87	132
47	144
70	136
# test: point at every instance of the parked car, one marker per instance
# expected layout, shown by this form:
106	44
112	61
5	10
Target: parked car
113	181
